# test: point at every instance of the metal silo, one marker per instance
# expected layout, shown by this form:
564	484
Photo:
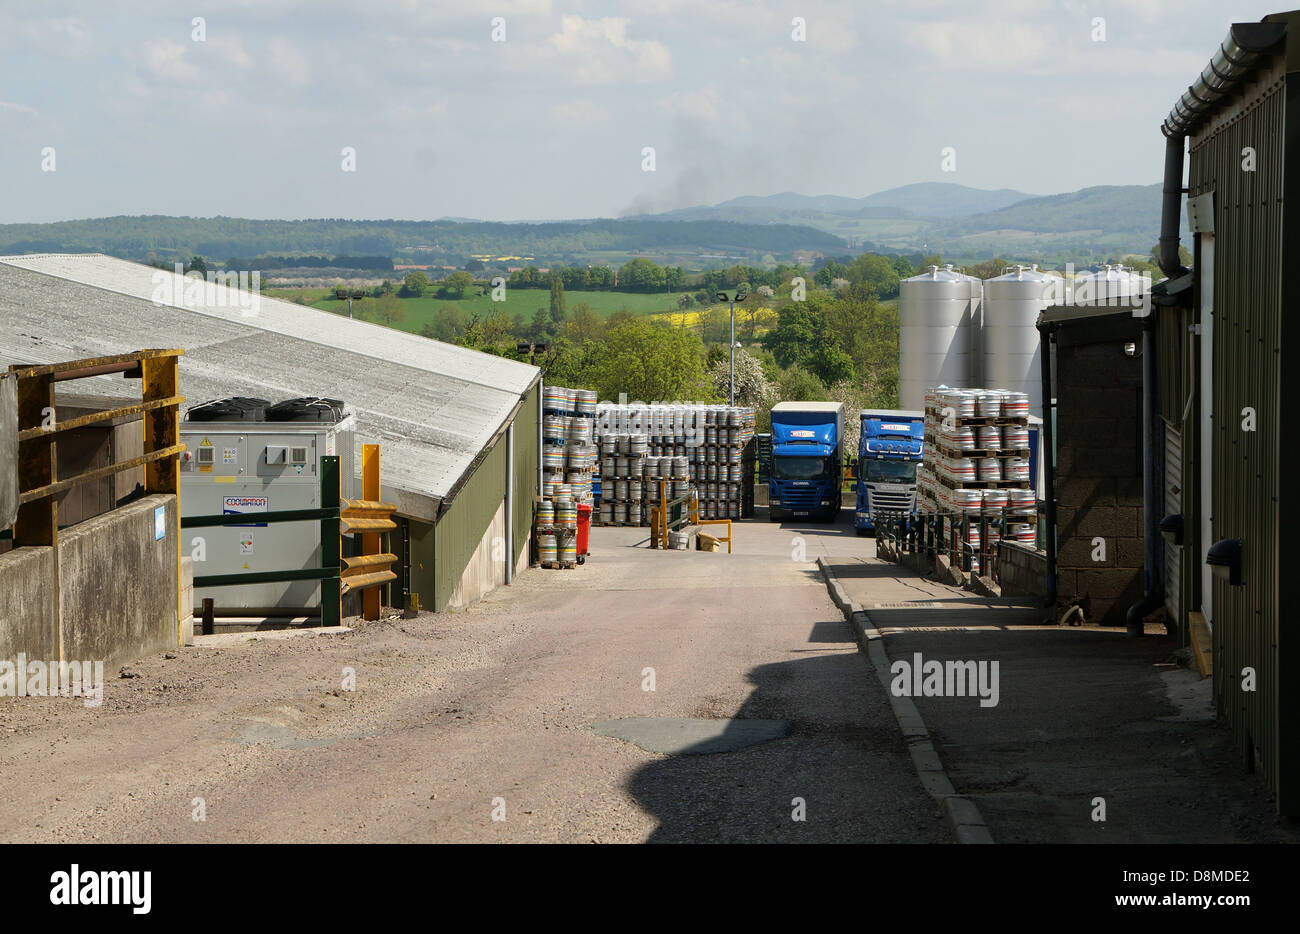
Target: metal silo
976	369
1111	285
935	333
1010	338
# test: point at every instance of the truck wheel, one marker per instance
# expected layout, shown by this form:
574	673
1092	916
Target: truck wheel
862	533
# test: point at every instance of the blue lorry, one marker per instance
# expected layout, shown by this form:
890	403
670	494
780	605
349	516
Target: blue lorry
807	461
889	450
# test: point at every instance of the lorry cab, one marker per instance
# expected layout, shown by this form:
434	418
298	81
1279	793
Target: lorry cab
806	465
889	450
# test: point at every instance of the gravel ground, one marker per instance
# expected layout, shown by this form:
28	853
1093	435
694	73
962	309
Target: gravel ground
457	717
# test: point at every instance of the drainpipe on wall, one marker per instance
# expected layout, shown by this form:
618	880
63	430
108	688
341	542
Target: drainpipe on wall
1152	499
1171	208
1152	495
510	503
1049	457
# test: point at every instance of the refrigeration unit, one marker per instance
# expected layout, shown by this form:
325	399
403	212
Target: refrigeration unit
247	456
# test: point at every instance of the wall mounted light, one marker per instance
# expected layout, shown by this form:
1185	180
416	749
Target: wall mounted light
1172	528
1225	558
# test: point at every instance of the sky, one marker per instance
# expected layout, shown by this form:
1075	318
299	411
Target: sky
533	110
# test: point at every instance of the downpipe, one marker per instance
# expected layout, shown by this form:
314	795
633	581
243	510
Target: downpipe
1049	458
1152	567
1171	208
1171	265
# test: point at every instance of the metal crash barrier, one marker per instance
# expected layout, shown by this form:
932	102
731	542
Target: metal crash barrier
670	515
970	542
370	518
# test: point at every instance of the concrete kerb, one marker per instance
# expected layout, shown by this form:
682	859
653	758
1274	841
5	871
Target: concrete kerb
962	815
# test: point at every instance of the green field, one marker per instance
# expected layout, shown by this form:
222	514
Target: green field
420	311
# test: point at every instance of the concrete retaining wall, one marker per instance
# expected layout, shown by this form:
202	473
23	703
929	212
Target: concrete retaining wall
117	595
1022	570
26	595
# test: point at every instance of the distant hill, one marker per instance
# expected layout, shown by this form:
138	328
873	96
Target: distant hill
1114	208
942	199
957	221
220	238
926	199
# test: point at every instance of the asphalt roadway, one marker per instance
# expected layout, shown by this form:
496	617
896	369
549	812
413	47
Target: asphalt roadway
645	696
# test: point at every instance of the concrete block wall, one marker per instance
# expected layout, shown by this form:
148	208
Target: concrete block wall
1099	482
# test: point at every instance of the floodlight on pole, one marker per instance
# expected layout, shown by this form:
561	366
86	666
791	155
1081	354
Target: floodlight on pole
739	296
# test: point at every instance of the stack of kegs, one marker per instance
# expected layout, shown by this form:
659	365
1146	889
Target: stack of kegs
683	445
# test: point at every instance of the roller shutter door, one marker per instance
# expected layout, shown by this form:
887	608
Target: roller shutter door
1173	505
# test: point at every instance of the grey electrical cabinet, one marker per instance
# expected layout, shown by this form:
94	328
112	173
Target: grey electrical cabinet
248	456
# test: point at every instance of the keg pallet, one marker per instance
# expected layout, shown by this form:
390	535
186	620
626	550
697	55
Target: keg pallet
979	452
997	514
976	421
982	484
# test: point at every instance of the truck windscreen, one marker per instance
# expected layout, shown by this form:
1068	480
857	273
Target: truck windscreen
882	471
798	468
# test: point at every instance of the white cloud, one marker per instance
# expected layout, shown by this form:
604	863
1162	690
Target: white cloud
166	60
230	50
698	104
984	46
66	37
581	111
290	64
599	51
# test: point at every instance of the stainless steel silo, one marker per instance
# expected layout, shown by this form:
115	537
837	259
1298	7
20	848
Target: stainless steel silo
935	333
1111	285
1010	338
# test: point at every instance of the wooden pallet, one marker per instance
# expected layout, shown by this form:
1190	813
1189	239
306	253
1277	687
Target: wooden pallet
982	484
975	421
980	452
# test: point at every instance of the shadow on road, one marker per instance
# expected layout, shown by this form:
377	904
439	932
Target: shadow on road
842	756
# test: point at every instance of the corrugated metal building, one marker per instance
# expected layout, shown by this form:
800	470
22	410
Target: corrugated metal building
445	416
1221	341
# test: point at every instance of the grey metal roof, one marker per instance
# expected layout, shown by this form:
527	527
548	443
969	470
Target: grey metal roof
808	407
1054	313
432	406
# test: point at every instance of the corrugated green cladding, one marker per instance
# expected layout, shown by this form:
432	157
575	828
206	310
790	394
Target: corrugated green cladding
461	527
1255	472
1176	374
439	553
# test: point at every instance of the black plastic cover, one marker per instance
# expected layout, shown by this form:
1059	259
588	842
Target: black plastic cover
306	409
230	409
